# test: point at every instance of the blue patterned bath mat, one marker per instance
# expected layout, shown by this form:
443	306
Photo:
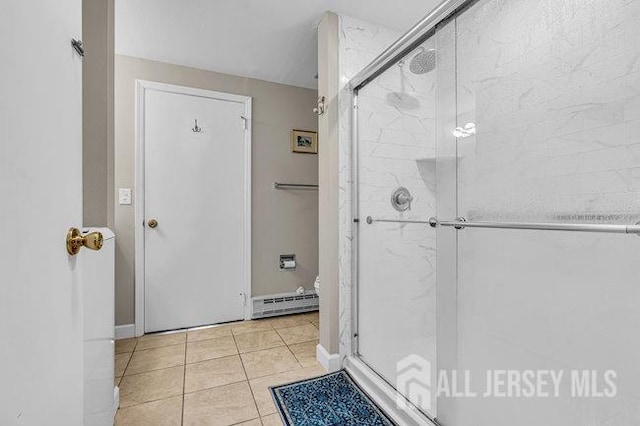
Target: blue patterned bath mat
330	400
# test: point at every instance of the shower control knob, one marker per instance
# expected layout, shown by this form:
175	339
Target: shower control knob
152	223
401	199
404	198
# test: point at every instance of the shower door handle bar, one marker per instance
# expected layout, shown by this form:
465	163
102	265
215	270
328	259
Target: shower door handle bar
461	223
371	220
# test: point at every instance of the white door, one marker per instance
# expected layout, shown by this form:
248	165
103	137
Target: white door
196	187
41	315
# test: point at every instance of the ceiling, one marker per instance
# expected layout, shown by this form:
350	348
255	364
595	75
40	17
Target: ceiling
273	40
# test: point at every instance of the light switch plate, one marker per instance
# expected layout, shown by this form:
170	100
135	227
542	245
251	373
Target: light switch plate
124	196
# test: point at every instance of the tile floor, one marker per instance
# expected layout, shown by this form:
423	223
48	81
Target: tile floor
214	376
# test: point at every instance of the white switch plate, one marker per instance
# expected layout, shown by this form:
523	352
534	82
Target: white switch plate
124	197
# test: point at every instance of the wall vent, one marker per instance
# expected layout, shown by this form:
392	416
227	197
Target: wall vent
284	304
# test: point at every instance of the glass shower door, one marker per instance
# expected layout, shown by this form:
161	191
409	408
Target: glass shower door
396	253
547	118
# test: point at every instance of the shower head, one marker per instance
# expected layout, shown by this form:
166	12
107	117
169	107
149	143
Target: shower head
423	62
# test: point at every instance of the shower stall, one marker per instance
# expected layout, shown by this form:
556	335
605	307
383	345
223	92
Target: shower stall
495	203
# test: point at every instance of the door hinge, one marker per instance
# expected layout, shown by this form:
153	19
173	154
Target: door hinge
244	121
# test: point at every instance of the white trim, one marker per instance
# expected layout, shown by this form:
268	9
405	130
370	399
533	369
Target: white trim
141	87
248	306
138	202
384	395
116	402
125	331
330	362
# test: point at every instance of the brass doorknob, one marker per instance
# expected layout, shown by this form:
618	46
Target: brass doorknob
75	241
152	223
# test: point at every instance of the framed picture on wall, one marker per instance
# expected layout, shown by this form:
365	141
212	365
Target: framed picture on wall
304	141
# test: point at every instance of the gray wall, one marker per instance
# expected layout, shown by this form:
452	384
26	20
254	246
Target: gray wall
282	221
97	110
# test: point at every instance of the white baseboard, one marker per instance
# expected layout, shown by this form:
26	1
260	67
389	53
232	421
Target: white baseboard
104	416
116	402
125	331
330	362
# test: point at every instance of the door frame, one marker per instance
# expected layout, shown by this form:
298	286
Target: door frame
139	190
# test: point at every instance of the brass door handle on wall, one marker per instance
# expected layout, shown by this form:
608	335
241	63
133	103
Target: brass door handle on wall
75	241
152	223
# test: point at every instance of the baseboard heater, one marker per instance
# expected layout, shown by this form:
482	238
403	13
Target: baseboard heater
285	303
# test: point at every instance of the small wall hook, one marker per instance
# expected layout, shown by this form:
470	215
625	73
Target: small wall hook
195	128
320	108
78	47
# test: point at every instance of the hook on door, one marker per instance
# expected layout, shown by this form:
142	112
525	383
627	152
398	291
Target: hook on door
195	128
78	46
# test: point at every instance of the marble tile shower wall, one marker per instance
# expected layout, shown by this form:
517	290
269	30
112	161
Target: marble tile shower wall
554	88
359	43
557	108
397	281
